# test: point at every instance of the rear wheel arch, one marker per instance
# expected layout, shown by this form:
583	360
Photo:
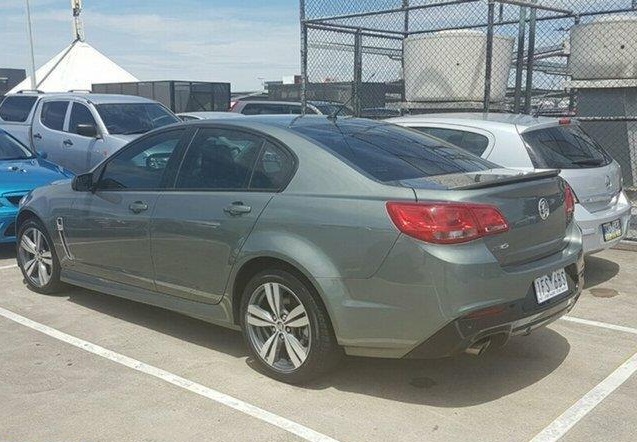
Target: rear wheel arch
255	265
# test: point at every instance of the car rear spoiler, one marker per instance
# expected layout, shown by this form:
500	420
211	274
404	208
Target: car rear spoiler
532	176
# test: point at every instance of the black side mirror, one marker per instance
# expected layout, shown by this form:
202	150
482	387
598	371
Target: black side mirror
86	130
83	183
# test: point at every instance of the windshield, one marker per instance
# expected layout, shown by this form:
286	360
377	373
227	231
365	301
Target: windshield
17	108
134	118
12	149
391	153
564	147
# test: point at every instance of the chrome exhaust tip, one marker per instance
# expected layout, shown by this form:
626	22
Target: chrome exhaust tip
477	348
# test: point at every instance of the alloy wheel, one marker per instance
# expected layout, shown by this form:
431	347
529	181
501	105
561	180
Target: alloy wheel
36	257
278	327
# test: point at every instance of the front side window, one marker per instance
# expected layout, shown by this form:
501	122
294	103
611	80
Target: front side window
53	114
134	118
12	149
80	114
219	159
17	108
142	165
564	147
471	141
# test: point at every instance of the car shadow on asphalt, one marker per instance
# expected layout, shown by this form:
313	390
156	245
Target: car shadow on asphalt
163	321
598	271
7	251
462	381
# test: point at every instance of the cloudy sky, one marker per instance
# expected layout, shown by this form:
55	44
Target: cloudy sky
210	40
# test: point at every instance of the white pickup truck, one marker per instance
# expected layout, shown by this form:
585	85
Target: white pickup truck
78	130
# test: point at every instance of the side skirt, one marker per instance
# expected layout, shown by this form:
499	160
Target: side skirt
218	314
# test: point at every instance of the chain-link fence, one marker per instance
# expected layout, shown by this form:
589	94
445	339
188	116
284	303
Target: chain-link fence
561	58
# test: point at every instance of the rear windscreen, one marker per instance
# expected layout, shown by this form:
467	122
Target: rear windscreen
391	153
16	108
564	147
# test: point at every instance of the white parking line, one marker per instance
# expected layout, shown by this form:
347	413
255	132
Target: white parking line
600	324
222	398
12	266
560	426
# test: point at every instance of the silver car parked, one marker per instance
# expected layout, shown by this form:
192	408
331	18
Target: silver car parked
602	209
314	236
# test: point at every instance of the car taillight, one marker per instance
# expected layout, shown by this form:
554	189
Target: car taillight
447	223
569	203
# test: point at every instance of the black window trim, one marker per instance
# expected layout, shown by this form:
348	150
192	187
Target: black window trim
166	180
266	137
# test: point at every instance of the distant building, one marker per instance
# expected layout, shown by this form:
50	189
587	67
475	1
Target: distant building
9	78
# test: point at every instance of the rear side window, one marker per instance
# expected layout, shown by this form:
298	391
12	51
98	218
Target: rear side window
273	169
53	113
391	153
80	114
17	108
564	147
219	159
471	141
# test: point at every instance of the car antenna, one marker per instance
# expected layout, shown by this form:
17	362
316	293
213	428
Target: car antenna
335	113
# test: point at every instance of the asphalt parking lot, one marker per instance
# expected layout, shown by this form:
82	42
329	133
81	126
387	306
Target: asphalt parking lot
88	367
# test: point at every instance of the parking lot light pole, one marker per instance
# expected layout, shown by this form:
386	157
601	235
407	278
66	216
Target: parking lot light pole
30	32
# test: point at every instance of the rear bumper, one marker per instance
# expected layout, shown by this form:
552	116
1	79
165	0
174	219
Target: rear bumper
420	289
515	318
591	224
7	226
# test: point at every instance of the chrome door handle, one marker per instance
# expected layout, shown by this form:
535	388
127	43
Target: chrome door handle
237	208
67	142
138	207
37	136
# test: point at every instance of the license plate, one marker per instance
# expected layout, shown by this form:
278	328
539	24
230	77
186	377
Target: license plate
550	286
612	230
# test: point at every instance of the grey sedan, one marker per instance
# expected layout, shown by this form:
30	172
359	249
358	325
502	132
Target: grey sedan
314	236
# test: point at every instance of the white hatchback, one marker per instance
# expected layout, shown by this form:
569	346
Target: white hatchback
524	142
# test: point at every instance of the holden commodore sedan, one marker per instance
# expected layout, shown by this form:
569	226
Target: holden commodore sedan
314	236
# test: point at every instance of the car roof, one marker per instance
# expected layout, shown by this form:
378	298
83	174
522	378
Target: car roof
96	98
298	103
207	114
492	120
289	122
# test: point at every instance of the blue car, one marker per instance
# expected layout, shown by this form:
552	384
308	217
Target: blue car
20	172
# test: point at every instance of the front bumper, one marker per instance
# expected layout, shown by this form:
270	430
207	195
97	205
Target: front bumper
591	224
497	324
7	226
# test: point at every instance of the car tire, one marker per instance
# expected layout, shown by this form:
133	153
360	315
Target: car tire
298	344
37	258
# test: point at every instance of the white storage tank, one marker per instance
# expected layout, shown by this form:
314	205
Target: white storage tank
450	66
604	49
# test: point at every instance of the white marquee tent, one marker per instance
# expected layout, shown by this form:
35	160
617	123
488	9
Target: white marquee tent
76	68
